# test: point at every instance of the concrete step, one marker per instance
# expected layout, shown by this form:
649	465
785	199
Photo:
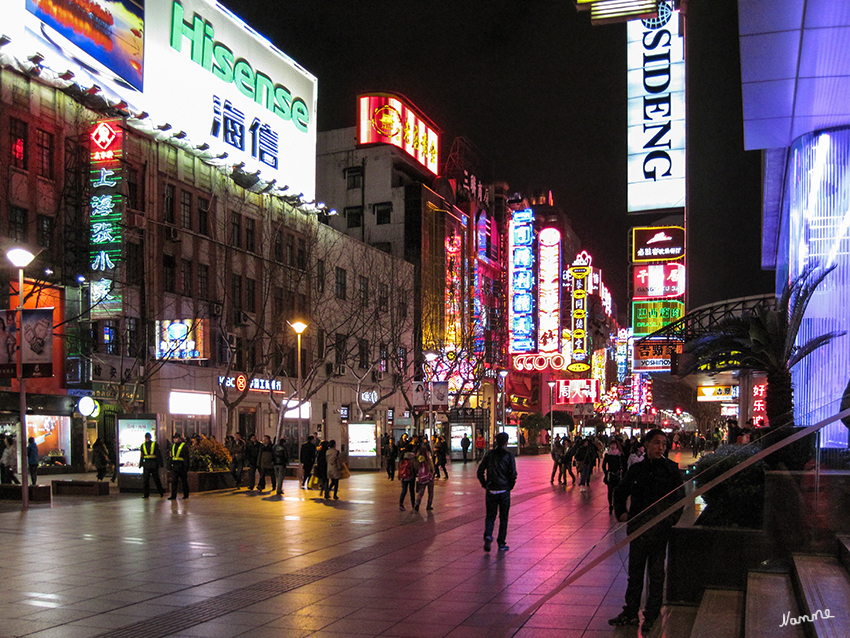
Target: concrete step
675	621
770	596
720	614
824	586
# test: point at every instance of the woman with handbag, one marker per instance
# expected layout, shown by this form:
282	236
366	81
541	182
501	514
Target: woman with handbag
334	464
423	466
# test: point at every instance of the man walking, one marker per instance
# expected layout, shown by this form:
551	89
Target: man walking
307	456
179	466
497	474
237	458
653	484
151	461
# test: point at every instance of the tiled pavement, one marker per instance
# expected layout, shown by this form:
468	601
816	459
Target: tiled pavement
234	563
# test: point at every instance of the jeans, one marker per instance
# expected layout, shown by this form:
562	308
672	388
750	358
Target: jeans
236	468
407	485
34	474
647	553
501	504
279	474
584	472
420	492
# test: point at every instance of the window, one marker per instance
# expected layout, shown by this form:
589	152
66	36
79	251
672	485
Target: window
250	235
364	291
236	230
44	149
132	330
186	210
278	302
203	216
339	348
45	231
384	298
240	353
168	204
133	263
186	272
302	254
204	281
320	275
169	274
278	248
290	251
402	360
18	223
18	143
402	309
250	295
384	356
236	291
354	177
363	353
340	289
383	213
109	336
133	191
354	215
321	343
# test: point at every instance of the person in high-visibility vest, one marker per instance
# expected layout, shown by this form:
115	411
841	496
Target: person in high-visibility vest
179	466
151	461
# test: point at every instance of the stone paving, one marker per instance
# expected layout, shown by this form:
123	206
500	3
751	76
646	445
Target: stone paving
238	563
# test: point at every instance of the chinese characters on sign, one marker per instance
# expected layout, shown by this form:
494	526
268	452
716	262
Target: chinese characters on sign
580	280
655	355
649	316
229	125
758	409
658	243
658	280
549	291
521	282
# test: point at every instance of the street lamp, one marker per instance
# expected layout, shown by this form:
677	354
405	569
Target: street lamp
21	257
298	327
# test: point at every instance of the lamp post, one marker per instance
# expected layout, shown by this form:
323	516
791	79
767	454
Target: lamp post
503	375
551	385
21	258
430	357
298	327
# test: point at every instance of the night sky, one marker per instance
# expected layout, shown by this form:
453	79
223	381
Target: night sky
537	89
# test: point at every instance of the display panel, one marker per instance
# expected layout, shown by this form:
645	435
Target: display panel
658	280
649	316
51	434
458	431
362	440
521	306
658	243
184	339
513	435
131	435
577	391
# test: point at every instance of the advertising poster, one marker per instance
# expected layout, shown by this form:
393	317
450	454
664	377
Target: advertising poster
131	435
362	441
182	339
513	435
37	350
440	395
8	345
458	432
419	395
51	434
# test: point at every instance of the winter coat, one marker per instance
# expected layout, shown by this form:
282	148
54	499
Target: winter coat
266	457
334	463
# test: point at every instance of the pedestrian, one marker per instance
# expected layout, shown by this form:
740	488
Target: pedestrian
2	448
265	463
464	446
9	461
586	458
424	469
100	458
613	468
150	461
442	454
567	460
252	459
497	475
480	444
280	459
557	453
638	452
114	459
180	454
307	456
392	453
32	460
321	466
237	457
650	486
334	470
406	474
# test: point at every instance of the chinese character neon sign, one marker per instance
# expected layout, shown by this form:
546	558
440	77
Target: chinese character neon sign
453	288
521	282
580	277
549	290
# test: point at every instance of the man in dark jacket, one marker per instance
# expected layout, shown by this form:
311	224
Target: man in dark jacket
179	466
280	458
265	463
252	459
307	456
236	448
497	474
653	485
151	461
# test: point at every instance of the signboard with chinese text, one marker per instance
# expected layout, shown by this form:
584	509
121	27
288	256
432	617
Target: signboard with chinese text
383	118
183	339
577	391
521	304
649	316
717	393
658	280
655	355
658	243
131	435
580	280
758	402
549	291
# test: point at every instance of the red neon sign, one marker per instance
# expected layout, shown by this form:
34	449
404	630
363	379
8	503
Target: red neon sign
658	281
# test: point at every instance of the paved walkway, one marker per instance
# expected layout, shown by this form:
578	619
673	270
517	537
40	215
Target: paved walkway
234	563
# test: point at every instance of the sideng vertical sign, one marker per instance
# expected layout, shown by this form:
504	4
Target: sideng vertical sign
581	283
656	112
521	282
106	210
549	290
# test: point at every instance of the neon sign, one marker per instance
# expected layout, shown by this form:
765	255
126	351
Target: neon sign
580	278
521	282
658	280
106	210
453	265
649	316
658	243
387	119
577	391
549	290
540	361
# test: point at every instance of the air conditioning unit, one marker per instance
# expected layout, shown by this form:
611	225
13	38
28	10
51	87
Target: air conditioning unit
241	318
171	234
135	220
215	309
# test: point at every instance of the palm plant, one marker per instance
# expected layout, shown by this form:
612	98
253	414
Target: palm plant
764	340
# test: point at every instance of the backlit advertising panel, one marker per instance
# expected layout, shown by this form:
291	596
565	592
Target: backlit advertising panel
655	355
656	112
131	435
549	291
362	440
658	280
658	243
383	118
189	64
649	316
580	274
577	391
184	339
521	306
709	393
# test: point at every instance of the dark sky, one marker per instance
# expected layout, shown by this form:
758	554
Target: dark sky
531	83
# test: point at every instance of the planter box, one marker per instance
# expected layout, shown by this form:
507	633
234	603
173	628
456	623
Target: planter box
80	488
37	493
208	481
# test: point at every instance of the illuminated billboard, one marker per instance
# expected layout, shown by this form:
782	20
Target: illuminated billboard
183	339
649	316
521	304
577	391
190	64
717	393
549	291
656	112
580	286
658	243
658	280
383	118
654	355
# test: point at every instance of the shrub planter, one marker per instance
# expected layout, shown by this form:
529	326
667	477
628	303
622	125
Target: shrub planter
208	481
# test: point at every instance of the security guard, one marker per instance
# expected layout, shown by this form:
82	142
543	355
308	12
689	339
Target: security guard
151	461
179	466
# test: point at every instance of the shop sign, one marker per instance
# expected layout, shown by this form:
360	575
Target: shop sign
717	393
650	316
259	384
549	290
541	361
577	391
758	403
658	243
182	339
129	391
521	279
384	118
469	415
658	280
655	355
580	274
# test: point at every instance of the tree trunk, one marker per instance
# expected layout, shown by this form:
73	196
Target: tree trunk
779	402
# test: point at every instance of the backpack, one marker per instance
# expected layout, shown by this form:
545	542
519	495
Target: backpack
405	470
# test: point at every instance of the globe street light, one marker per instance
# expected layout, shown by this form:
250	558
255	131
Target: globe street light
298	327
21	257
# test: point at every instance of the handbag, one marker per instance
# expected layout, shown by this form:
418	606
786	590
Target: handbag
344	472
313	482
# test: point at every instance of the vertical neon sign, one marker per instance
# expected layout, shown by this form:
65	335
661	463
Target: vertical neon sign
581	275
453	246
521	282
106	210
549	290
